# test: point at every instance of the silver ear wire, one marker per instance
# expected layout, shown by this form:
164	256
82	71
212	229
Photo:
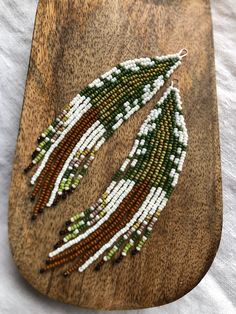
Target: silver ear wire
183	52
174	83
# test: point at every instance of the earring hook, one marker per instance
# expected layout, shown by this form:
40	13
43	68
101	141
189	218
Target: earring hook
174	83
183	52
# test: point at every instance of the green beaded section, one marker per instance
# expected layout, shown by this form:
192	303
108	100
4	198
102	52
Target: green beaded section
160	144
128	86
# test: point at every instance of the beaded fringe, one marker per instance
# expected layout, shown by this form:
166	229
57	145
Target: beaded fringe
67	147
122	219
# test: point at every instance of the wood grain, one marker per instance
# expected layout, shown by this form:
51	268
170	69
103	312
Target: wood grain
73	43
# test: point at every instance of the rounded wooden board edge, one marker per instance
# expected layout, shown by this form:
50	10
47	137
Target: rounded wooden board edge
131	306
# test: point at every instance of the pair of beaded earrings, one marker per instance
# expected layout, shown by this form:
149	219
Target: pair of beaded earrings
122	219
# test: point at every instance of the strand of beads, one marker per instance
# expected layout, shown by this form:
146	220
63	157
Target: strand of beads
98	211
150	215
108	229
89	120
151	171
143	212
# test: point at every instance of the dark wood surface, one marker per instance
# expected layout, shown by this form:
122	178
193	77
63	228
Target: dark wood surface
73	43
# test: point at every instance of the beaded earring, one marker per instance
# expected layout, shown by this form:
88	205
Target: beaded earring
67	147
122	219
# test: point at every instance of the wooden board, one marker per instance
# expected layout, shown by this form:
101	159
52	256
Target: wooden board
73	43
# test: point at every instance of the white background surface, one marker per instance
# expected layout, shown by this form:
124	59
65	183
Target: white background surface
216	294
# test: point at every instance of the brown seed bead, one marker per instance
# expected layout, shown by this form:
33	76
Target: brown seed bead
30	166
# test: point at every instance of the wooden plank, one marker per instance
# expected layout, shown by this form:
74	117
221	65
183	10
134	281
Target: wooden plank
73	43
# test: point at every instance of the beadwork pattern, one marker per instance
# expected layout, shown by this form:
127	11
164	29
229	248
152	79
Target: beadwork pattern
67	147
123	217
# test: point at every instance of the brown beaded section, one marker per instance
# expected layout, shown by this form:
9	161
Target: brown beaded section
47	178
107	101
129	201
105	232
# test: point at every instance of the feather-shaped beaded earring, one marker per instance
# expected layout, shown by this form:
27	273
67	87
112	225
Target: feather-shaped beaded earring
67	147
123	217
